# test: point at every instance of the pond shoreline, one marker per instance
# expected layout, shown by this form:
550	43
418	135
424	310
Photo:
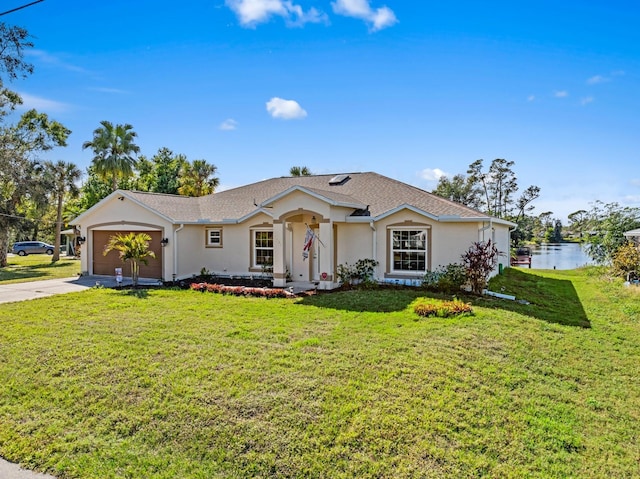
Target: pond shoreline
569	255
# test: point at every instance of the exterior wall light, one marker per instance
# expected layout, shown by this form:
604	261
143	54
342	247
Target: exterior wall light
164	242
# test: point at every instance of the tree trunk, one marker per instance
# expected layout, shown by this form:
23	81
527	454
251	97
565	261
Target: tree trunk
4	243
134	273
56	251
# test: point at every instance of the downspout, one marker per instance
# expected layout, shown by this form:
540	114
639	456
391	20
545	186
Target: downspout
374	252
175	251
374	246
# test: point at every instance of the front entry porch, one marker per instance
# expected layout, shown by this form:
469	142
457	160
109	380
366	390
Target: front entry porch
303	250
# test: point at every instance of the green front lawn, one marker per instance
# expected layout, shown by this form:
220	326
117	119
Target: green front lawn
34	267
168	383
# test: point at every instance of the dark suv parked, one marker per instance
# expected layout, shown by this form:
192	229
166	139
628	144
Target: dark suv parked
24	248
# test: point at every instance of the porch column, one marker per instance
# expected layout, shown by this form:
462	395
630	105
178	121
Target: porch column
279	261
327	253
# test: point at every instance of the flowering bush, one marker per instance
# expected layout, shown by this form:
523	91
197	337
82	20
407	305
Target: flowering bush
443	309
241	290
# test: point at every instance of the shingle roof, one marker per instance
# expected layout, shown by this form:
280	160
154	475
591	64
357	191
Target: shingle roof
380	193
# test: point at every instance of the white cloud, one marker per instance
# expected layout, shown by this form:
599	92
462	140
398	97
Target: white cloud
561	94
432	174
44	57
379	18
635	181
586	100
285	109
597	79
228	125
41	104
252	12
116	91
594	80
531	98
631	199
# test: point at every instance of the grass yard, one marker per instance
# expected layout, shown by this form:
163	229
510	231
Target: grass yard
182	384
34	267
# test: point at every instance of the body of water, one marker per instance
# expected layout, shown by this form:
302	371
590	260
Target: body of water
558	256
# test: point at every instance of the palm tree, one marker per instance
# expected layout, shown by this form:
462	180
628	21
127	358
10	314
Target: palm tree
196	179
300	171
61	177
113	148
133	247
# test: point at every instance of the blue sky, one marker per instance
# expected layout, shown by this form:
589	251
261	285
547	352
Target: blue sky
411	90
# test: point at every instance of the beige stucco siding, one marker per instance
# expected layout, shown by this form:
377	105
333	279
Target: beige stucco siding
298	202
233	257
354	242
450	240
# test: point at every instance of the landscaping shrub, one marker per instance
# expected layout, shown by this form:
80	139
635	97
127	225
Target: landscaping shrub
446	279
442	309
479	261
361	272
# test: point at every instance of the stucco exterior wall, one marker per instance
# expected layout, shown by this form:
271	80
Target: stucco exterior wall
231	258
354	242
298	202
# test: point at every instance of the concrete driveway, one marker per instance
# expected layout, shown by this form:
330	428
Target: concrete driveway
9	470
13	292
10	293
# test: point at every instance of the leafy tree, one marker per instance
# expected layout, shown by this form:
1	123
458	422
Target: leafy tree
300	171
18	143
197	179
494	192
20	172
607	224
578	222
557	231
133	247
94	189
161	174
499	184
114	149
626	259
62	178
13	42
461	189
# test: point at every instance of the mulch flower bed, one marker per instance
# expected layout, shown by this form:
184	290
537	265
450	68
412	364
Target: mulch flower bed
242	290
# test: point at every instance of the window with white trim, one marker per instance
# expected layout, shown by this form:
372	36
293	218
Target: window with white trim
263	248
409	250
214	237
